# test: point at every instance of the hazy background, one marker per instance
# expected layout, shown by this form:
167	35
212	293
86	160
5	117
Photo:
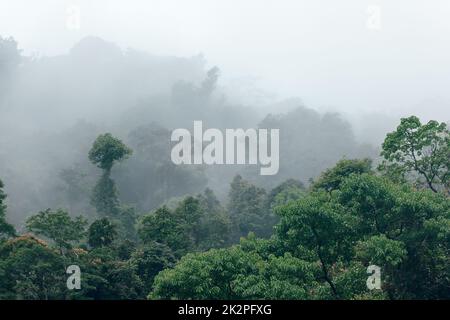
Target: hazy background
321	51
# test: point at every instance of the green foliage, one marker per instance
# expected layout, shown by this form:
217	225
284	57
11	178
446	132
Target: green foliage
381	251
105	276
209	275
31	270
370	220
422	149
101	233
107	149
285	192
5	228
149	259
332	178
318	229
196	223
323	245
401	219
105	196
166	227
284	277
126	221
206	222
58	226
248	209
214	225
350	281
189	210
104	152
233	273
323	241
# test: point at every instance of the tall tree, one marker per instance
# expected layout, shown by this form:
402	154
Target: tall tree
285	192
215	224
101	233
105	151
58	226
105	197
420	149
29	269
150	259
332	178
315	227
166	227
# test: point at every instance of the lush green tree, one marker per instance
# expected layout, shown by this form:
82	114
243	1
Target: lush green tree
205	220
101	233
418	149
29	269
125	249
284	277
315	228
285	192
105	196
323	241
248	209
126	221
190	210
208	275
215	224
5	228
106	277
58	226
189	213
106	150
407	231
195	223
233	273
332	178
166	227
123	282
370	220
149	259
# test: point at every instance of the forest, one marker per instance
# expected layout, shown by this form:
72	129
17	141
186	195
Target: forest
86	179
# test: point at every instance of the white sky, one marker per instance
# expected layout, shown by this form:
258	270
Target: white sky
319	50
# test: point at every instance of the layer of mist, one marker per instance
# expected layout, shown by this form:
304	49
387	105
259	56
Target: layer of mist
52	109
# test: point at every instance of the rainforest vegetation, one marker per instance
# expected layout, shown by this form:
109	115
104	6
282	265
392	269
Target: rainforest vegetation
100	192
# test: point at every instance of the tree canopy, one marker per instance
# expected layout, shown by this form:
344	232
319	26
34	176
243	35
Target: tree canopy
106	150
58	226
289	242
423	149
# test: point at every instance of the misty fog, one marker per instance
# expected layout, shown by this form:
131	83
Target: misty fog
333	85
